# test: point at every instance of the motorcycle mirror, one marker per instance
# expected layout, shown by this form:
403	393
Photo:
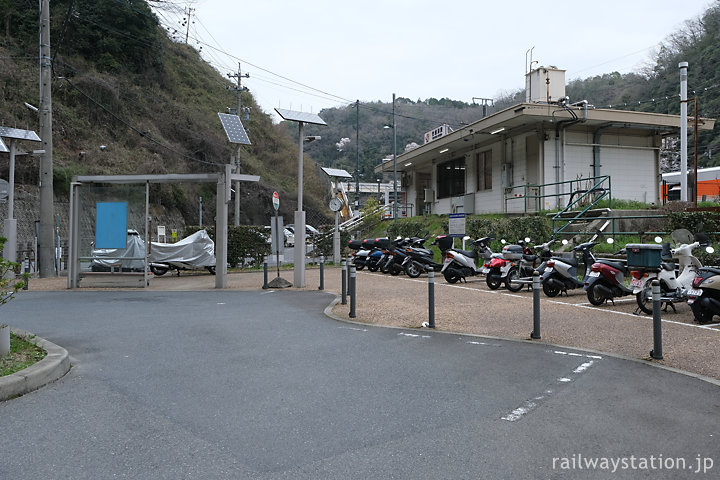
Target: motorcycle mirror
709	249
466	237
610	240
564	242
527	239
503	241
658	239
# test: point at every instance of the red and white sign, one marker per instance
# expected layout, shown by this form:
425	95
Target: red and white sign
276	200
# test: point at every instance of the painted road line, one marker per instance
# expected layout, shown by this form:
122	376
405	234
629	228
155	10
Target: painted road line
530	405
414	335
354	329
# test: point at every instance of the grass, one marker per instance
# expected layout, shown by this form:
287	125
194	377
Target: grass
22	355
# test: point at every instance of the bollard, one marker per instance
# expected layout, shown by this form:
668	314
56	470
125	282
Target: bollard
322	273
536	306
349	262
656	352
344	284
265	275
353	291
27	273
431	298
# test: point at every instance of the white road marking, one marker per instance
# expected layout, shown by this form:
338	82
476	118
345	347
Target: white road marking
414	335
529	405
354	329
583	367
571	354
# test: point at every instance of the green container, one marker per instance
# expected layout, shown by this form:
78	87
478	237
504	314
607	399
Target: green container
643	255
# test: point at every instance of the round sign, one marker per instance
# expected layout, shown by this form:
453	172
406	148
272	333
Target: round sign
276	200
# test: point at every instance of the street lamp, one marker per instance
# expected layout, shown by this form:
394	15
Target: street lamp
299	253
394	162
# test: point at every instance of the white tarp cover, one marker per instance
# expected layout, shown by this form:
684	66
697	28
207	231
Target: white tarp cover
196	250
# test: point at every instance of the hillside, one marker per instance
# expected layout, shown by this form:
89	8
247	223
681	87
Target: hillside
118	81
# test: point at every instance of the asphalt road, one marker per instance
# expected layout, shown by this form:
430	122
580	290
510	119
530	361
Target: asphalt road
262	385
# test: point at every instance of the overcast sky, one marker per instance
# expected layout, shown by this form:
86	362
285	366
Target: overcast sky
313	54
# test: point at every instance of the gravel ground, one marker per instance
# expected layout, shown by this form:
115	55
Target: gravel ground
473	308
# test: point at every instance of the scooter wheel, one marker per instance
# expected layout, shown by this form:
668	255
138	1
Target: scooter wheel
359	266
158	271
493	281
550	290
451	277
413	270
373	267
511	281
595	296
644	299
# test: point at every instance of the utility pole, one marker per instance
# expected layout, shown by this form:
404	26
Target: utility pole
189	13
46	250
357	156
239	89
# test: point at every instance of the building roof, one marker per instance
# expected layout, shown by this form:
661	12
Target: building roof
526	117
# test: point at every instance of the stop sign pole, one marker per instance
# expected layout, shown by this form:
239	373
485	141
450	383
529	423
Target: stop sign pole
276	240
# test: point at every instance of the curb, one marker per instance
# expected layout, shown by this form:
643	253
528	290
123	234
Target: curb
54	366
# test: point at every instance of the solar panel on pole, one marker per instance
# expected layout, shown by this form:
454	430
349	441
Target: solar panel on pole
234	129
295	116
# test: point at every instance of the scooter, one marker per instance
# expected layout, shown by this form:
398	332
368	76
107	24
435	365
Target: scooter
419	259
704	294
606	281
360	254
512	255
459	264
560	273
522	273
673	289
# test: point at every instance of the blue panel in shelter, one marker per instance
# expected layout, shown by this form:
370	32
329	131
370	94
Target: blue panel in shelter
111	225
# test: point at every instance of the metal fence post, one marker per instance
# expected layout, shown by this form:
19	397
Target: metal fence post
656	352
536	306
344	284
322	273
265	275
353	291
431	298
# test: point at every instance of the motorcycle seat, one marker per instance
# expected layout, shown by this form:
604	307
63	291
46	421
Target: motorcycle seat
529	258
716	271
617	265
467	253
669	266
572	261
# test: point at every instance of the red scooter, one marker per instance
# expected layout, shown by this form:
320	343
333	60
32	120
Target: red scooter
606	281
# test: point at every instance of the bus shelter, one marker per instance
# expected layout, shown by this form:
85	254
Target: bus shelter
104	209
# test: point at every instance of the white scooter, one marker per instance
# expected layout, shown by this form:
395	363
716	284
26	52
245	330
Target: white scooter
673	287
459	264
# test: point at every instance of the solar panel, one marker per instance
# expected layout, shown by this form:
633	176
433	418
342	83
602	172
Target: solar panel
19	134
3	147
304	117
234	129
336	172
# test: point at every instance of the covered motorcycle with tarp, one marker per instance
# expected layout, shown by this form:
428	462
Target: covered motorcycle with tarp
192	252
196	251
